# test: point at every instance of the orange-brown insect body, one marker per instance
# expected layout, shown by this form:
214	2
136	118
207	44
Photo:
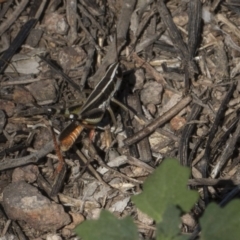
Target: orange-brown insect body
67	141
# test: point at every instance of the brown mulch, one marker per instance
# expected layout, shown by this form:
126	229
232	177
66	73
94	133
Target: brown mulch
180	69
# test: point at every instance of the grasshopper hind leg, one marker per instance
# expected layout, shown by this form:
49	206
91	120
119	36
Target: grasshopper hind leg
125	108
113	118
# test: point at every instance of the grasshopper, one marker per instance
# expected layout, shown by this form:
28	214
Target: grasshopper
94	108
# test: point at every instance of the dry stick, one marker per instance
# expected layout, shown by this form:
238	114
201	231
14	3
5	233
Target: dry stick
189	66
5	229
128	128
117	174
60	72
93	153
227	152
61	169
77	202
90	37
194	27
7	23
212	182
147	42
186	133
88	65
194	24
172	29
136	162
19	82
215	4
40	9
71	14
233	28
44	185
213	130
92	170
230	196
223	135
122	29
18	231
156	75
16	43
206	158
93	8
158	121
142	26
143	146
93	20
5	8
32	158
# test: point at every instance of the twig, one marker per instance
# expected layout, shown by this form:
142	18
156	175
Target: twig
90	37
37	9
71	14
158	121
7	23
32	158
93	153
122	29
149	69
189	66
233	28
19	82
93	171
143	146
212	182
5	8
88	65
186	133
230	196
194	24
60	72
17	42
93	20
142	26
206	158
60	171
172	29
227	152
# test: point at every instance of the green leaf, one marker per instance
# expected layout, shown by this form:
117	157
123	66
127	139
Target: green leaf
167	185
168	229
108	227
221	223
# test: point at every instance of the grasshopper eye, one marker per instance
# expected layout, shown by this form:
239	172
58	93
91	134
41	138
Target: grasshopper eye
73	116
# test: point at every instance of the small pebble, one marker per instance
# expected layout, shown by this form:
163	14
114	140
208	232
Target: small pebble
144	218
77	218
27	173
71	57
43	90
177	123
56	23
189	220
7	106
139	79
53	237
151	108
151	93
